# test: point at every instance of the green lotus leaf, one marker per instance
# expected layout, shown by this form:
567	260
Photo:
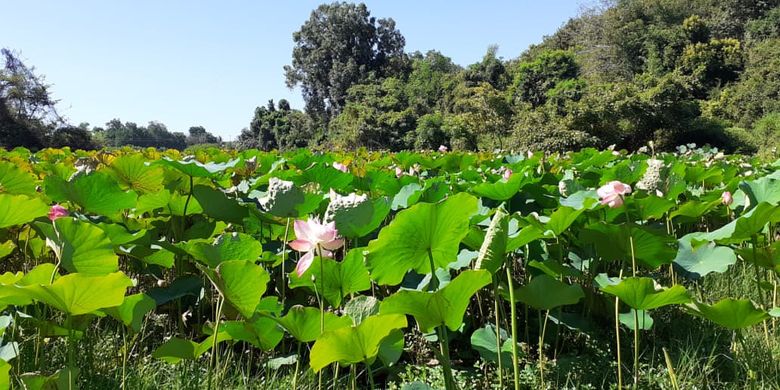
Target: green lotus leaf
585	199
612	242
641	293
645	322
544	292
81	246
407	196
694	209
404	244
6	248
327	177
501	190
14	181
19	209
77	293
179	204
652	207
133	310
391	348
744	227
303	323
361	307
340	279
765	189
284	199
731	313
562	218
703	259
486	342
358	219
241	282
229	246
196	169
189	285
443	307
134	173
153	201
217	205
492	253
354	344
262	332
97	193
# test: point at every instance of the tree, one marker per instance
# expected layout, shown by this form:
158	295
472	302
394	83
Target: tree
72	137
490	70
376	116
155	134
431	84
534	78
339	46
758	91
198	135
27	110
272	128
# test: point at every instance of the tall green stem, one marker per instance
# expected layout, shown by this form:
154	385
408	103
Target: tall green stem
617	339
284	251
297	368
513	321
441	330
370	374
215	335
498	335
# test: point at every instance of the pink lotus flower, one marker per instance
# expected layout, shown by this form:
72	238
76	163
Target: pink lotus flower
507	173
399	172
341	167
57	211
443	149
611	194
311	235
726	198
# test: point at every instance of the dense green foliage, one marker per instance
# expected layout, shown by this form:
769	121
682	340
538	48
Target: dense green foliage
671	72
251	269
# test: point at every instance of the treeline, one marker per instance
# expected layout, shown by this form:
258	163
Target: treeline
29	118
672	72
630	72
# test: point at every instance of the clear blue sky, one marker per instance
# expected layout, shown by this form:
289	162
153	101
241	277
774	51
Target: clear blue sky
187	63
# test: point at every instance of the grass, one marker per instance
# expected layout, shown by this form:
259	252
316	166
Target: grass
703	356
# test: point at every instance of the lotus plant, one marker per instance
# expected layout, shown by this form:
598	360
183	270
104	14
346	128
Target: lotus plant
341	167
313	235
612	193
57	211
726	198
507	174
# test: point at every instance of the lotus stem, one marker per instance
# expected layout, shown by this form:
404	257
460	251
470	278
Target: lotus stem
297	368
617	339
498	335
284	247
370	374
636	316
513	321
441	330
215	360
187	202
670	368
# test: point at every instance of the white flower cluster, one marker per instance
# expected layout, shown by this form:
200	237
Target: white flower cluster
653	180
340	203
276	189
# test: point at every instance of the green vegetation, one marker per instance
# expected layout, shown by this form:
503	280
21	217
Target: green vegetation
224	269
